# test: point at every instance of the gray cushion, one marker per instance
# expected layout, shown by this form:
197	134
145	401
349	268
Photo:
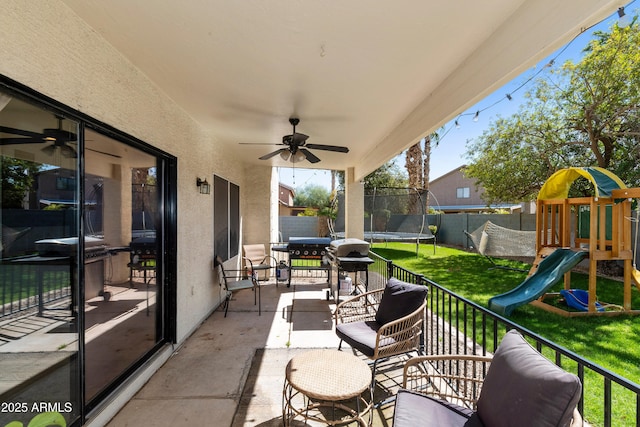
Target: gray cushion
414	409
359	335
522	385
399	299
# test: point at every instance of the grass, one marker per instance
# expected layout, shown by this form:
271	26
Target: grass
610	342
18	282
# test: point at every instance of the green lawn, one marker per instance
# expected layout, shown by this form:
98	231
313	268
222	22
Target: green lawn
610	342
607	341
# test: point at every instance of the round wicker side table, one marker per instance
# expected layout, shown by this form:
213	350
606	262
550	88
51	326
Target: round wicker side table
327	386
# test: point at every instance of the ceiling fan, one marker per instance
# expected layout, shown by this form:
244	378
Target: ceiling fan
296	147
58	138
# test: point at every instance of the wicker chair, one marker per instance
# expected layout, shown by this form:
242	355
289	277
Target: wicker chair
456	378
517	386
383	323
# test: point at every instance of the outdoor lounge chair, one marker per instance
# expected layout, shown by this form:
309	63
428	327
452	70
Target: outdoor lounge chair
383	323
517	386
233	281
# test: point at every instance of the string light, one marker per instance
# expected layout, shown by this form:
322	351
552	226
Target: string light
623	21
623	18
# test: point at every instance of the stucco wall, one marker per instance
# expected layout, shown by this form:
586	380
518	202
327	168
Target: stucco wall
445	190
47	48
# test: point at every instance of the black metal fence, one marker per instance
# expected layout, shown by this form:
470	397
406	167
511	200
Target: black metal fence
26	286
459	326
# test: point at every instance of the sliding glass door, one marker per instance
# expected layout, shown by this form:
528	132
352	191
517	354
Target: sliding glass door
85	293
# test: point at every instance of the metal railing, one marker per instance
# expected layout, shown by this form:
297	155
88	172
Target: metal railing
25	286
459	326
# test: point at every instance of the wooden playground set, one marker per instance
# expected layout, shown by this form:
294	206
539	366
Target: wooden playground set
594	229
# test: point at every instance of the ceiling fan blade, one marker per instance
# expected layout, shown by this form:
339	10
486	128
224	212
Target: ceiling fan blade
335	148
310	156
8	141
275	153
102	152
258	143
14	131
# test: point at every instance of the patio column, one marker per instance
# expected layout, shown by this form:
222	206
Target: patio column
354	204
116	191
274	213
256	195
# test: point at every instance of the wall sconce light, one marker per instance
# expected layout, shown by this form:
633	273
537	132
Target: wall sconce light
204	186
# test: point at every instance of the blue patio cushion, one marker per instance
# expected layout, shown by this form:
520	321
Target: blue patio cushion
359	335
399	299
521	384
414	409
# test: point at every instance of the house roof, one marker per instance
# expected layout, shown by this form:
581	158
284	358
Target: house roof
451	172
373	76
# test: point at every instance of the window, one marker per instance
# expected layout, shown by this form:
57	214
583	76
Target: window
226	218
463	193
64	183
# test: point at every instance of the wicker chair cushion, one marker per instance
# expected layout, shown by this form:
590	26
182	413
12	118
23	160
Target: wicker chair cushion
399	299
521	384
359	335
413	409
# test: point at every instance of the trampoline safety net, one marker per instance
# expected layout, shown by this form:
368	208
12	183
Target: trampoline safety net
391	214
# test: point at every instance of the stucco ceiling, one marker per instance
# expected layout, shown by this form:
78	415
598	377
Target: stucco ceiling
372	75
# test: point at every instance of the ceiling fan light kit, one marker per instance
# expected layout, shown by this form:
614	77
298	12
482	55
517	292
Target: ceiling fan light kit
285	154
296	149
57	137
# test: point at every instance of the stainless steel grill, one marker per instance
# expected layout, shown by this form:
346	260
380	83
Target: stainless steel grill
351	256
96	251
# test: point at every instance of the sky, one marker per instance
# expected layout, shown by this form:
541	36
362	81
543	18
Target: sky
449	154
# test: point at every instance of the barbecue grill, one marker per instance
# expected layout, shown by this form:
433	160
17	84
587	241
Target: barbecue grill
143	257
312	249
64	251
348	255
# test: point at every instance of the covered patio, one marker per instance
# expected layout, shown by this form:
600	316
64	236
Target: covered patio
231	370
168	95
253	352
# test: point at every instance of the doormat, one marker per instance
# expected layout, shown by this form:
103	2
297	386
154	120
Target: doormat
261	400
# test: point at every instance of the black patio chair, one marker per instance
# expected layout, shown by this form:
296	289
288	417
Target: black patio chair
383	323
233	281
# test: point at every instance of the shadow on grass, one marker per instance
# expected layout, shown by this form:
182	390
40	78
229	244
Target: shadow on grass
608	341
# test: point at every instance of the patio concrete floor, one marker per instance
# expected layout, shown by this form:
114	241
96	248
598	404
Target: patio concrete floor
204	380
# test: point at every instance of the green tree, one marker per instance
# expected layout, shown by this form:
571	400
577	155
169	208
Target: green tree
387	175
313	196
17	180
582	114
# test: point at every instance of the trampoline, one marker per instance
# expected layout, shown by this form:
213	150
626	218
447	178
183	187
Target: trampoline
391	215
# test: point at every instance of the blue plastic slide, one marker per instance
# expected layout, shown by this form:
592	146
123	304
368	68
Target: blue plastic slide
550	271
